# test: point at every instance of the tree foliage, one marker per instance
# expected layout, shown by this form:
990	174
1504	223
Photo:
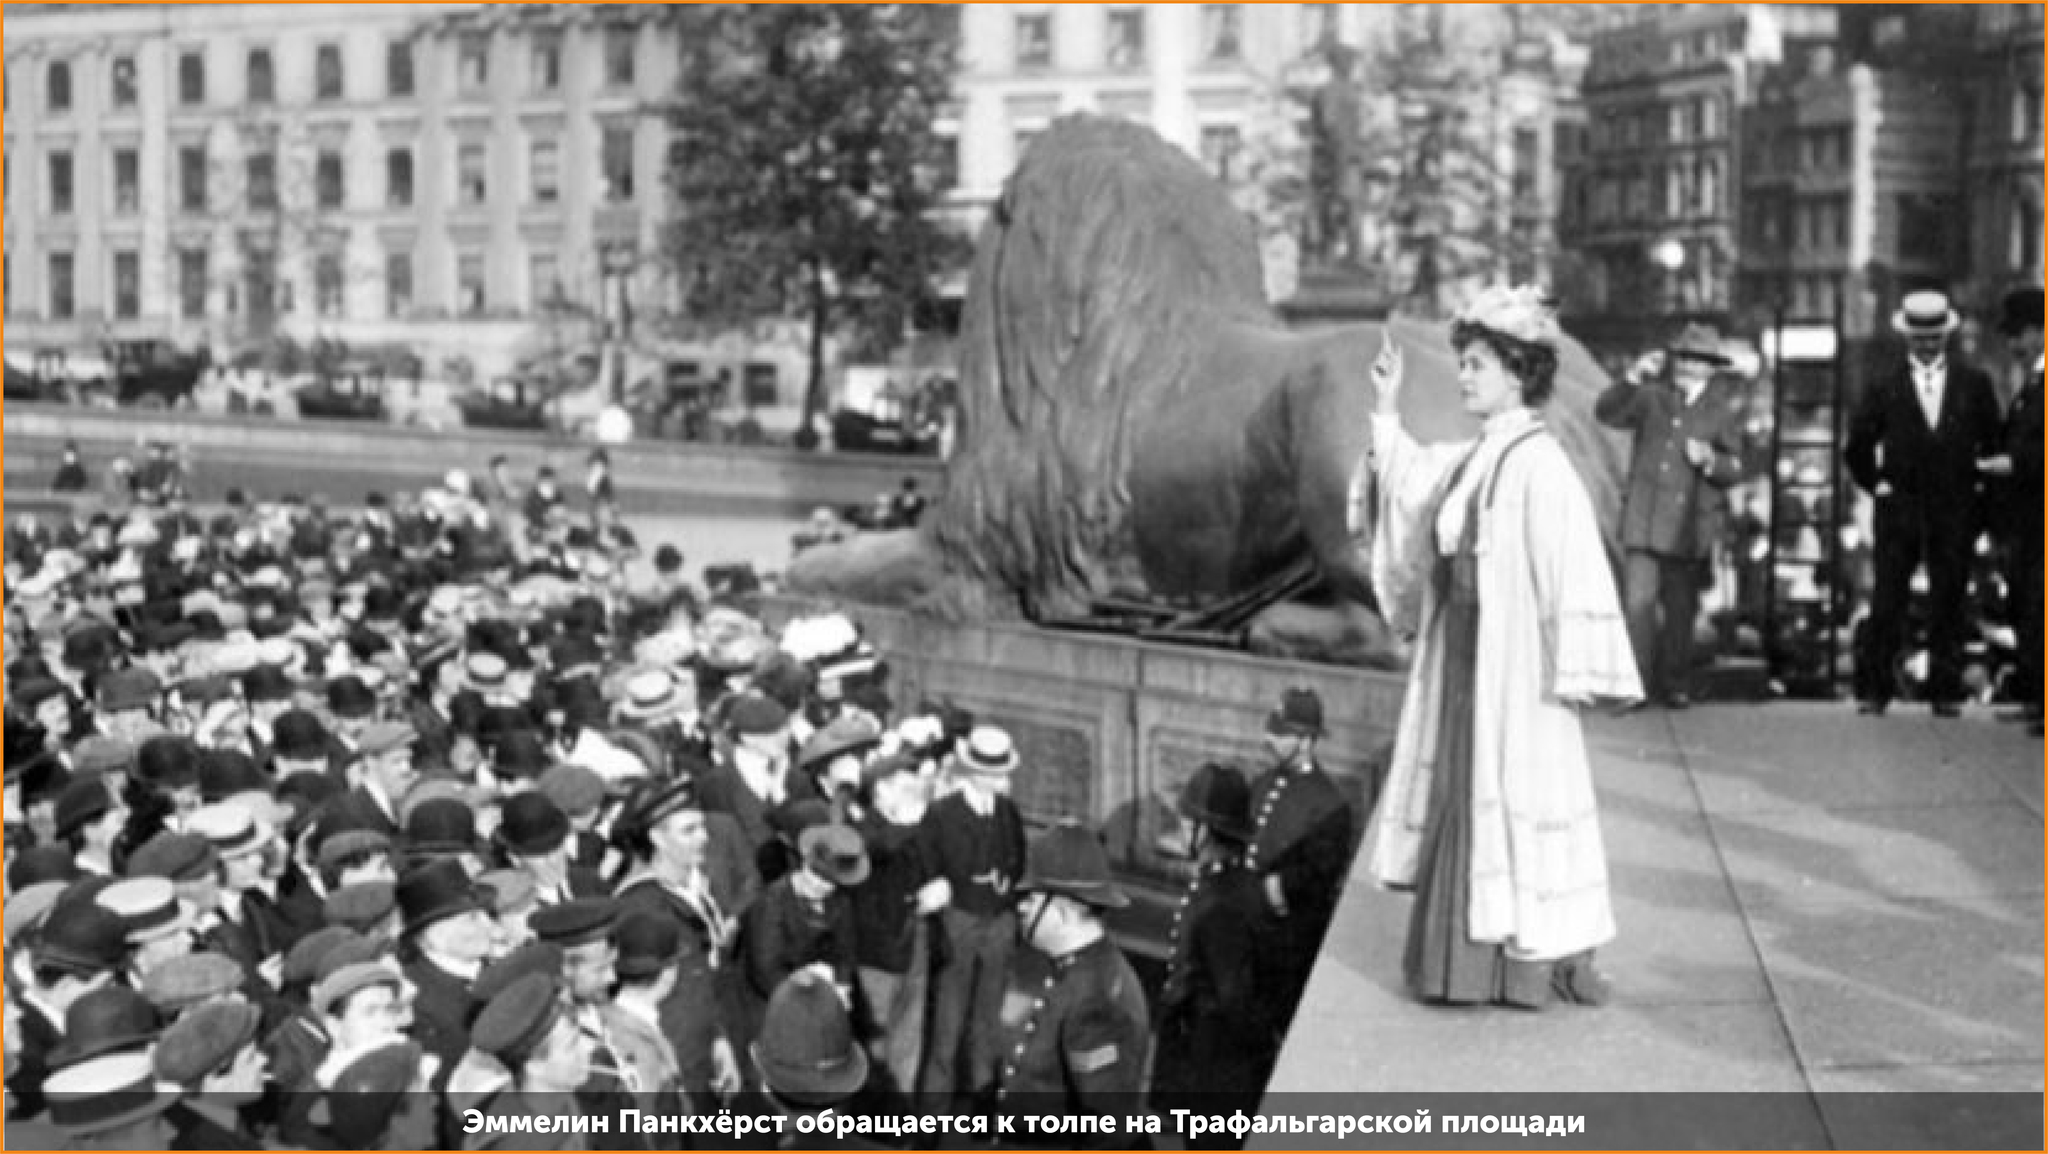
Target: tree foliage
805	167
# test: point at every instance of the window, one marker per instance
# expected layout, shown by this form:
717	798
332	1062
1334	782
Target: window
192	178
1710	186
473	64
469	283
544	166
330	182
60	86
127	182
1528	162
398	178
327	285
127	286
618	164
2026	112
618	56
260	177
192	284
262	77
1220	143
63	299
328	81
398	69
60	182
2023	243
1675	126
544	280
1126	37
1675	190
471	185
1710	118
1222	32
397	284
1034	40
547	64
191	78
123	77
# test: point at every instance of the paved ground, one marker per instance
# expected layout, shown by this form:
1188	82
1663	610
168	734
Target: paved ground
1808	901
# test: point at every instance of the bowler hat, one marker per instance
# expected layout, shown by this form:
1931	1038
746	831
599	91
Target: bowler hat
1218	797
520	754
1926	314
349	697
266	683
2019	311
440	825
806	1050
1069	860
834	852
168	762
105	1020
224	773
84	800
1300	714
106	1093
532	825
299	736
435	892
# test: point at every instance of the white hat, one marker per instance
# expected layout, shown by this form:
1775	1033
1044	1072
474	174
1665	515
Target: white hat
988	752
1925	314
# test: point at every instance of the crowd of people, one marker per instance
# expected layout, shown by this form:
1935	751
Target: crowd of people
327	828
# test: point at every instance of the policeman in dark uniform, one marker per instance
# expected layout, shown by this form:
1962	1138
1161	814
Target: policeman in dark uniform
1074	1023
1303	833
1217	1039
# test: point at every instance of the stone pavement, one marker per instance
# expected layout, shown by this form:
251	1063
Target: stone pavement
1808	902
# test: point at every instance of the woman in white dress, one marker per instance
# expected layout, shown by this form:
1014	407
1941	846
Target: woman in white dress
1489	554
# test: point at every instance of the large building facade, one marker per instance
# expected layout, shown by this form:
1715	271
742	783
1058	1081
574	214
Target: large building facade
217	174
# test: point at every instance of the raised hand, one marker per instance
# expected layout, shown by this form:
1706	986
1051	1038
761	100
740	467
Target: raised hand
1389	371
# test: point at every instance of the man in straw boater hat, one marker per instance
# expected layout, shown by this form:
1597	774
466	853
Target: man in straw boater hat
972	842
1925	422
1688	451
1075	1029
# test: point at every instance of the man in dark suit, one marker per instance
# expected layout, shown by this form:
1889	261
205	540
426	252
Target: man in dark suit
2020	321
1916	445
1688	451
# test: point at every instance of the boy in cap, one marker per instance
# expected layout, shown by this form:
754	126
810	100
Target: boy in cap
212	1056
807	918
1074	1020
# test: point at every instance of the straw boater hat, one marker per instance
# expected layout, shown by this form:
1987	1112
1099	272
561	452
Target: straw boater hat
657	695
1926	314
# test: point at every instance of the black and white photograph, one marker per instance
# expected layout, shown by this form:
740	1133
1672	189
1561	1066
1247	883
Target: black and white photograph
589	576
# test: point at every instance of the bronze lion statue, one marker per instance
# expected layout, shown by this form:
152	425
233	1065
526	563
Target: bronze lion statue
1137	421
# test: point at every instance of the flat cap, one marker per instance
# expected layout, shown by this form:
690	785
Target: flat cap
103	755
518	1019
181	857
32	693
543	958
385	737
127	689
26	908
187	980
204	1041
302	962
757	715
509	890
576	789
350	843
361	907
577	922
334	987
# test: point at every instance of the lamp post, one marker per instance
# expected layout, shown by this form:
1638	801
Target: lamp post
1668	255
